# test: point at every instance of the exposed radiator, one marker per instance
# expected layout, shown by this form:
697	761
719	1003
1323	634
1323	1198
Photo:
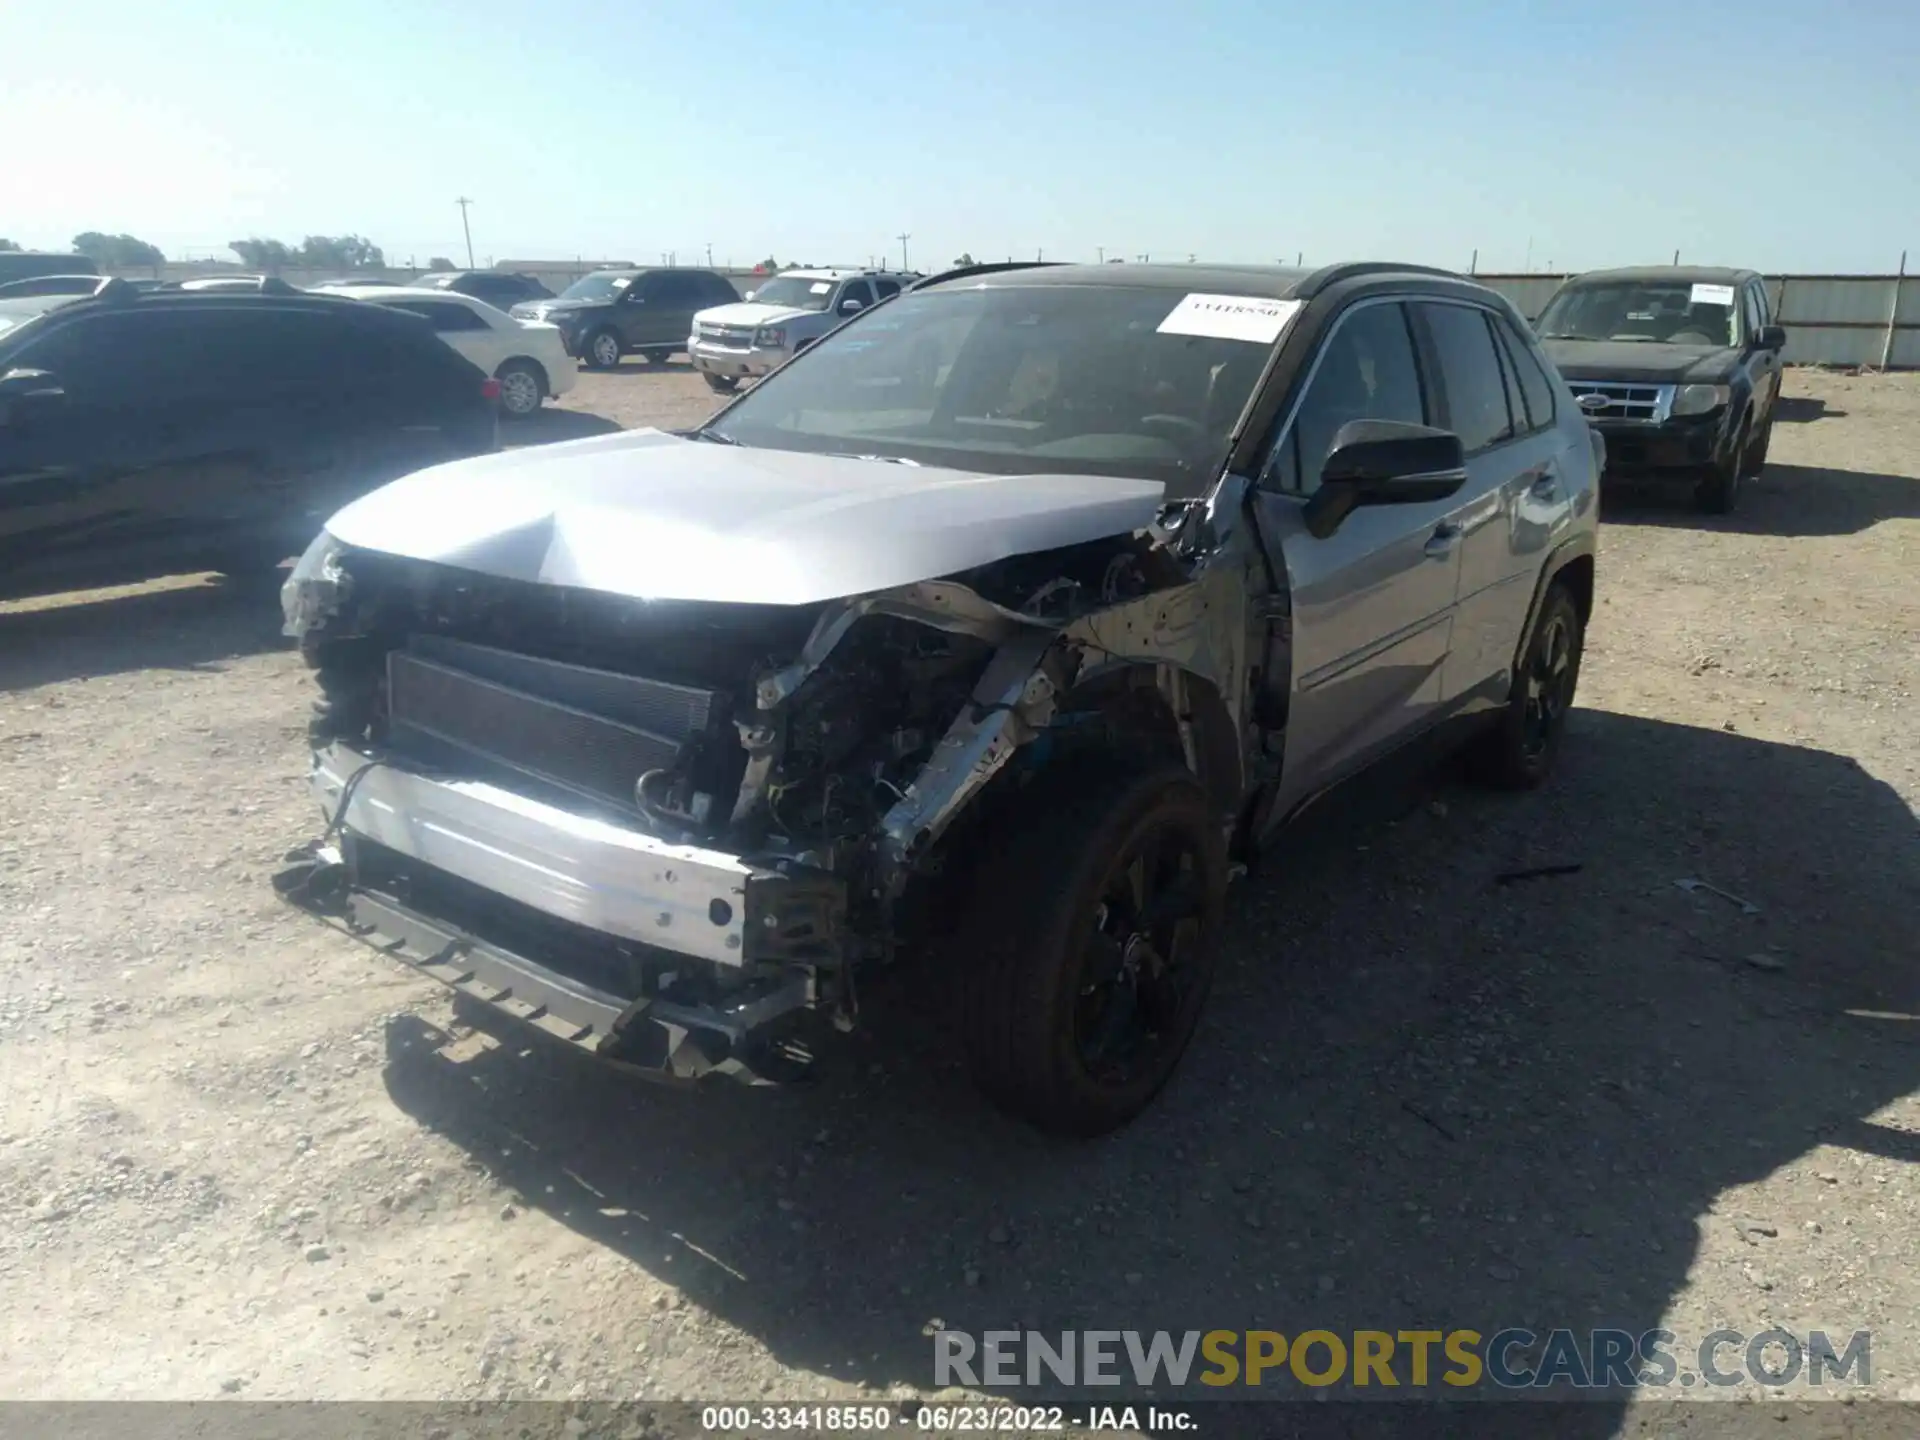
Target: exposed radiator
590	731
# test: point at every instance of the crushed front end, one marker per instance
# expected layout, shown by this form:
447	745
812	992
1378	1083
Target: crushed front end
675	833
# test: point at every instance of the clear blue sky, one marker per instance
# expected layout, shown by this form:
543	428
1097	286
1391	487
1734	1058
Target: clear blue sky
1783	134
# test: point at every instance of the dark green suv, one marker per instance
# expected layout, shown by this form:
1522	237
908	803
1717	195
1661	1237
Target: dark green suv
612	313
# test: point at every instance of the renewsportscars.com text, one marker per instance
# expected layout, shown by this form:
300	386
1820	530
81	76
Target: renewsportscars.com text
1380	1360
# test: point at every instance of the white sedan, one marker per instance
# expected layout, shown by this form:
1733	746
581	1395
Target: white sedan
528	357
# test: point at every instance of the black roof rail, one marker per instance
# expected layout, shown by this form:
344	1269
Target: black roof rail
995	268
1353	269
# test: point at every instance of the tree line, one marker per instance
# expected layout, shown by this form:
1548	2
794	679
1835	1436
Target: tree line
316	252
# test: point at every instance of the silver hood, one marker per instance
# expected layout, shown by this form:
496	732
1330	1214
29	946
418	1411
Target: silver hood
649	515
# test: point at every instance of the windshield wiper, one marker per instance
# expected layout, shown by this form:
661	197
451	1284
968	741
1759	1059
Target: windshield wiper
711	436
883	459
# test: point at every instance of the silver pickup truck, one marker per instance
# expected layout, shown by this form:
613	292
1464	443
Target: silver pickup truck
1022	608
780	318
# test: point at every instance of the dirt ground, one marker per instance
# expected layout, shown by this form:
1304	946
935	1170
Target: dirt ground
242	1155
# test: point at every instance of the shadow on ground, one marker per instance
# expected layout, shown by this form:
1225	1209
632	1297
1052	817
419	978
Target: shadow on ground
194	624
1804	409
1786	500
1421	1098
551	424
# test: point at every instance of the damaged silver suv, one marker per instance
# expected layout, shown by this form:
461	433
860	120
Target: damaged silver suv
1003	625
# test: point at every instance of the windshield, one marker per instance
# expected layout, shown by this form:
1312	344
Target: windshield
795	292
602	286
1044	379
1672	312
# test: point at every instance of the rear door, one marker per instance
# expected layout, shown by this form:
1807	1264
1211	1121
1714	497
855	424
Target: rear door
397	400
1372	604
678	296
1515	491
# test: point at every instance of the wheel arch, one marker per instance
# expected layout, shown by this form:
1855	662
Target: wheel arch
1159	710
1571	563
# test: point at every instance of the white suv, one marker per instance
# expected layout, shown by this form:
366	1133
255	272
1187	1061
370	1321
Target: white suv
780	319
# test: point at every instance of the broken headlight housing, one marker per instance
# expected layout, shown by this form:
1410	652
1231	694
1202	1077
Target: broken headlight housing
1699	399
317	588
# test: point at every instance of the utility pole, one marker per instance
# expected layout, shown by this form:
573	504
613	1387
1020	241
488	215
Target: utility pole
463	202
709	254
903	237
1101	251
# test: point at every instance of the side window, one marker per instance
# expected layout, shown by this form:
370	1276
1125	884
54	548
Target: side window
1516	402
443	315
673	289
886	289
644	287
1470	374
1366	371
1754	311
855	290
1764	300
719	291
1535	388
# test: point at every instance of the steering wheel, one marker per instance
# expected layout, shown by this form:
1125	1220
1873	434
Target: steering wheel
1181	426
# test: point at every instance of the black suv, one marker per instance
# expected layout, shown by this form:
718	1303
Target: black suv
168	432
1677	367
612	313
498	288
30	264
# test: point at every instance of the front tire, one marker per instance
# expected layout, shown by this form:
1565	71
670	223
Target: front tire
522	388
1518	753
724	384
602	350
1719	492
1089	976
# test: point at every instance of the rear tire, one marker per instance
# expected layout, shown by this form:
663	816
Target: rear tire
602	350
724	384
1518	753
522	389
1089	973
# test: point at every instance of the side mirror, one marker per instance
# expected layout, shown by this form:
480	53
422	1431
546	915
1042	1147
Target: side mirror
1383	462
1773	337
851	306
23	392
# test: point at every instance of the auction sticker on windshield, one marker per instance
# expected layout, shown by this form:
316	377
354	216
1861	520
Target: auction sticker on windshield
1230	317
1711	295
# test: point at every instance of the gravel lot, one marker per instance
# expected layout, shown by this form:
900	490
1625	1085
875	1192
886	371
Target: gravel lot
239	1154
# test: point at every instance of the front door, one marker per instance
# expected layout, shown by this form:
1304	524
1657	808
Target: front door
1372	604
147	457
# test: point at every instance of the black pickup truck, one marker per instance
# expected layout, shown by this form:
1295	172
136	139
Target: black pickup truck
1678	367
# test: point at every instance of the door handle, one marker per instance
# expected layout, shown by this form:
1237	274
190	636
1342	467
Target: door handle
1441	543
